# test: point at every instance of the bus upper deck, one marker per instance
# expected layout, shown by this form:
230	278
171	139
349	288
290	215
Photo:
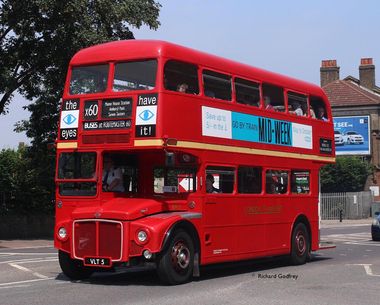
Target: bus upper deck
141	93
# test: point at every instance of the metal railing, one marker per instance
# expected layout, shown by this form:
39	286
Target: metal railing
352	205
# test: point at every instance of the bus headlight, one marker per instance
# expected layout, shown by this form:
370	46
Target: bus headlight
142	236
62	233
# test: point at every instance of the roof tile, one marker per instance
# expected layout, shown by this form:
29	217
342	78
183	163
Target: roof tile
348	93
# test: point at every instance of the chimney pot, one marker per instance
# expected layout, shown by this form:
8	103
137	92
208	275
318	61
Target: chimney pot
328	63
366	61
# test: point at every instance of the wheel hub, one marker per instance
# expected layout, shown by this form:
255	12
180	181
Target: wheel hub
300	243
180	256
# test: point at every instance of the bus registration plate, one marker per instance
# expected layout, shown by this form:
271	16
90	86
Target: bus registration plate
97	261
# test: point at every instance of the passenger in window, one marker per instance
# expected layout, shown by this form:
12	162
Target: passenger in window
210	93
321	113
268	103
112	177
251	100
297	109
210	184
312	113
304	109
276	184
183	88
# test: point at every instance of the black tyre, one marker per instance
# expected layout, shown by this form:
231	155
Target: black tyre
176	262
72	268
300	251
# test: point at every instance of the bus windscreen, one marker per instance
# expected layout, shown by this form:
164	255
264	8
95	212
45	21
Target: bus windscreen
89	79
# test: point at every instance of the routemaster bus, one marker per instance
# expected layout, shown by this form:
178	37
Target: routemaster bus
176	158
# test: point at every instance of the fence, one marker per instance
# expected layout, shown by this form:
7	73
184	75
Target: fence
353	205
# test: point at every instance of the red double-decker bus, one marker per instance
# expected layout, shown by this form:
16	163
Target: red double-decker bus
174	157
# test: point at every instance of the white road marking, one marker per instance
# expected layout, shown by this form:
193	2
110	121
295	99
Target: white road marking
39	275
368	243
360	239
20	260
351	238
15	286
22	268
363	235
31	260
30	253
35	247
27	281
367	268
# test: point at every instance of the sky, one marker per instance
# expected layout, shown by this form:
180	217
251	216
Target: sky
288	37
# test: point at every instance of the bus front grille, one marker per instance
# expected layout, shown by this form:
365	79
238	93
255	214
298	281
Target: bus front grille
98	238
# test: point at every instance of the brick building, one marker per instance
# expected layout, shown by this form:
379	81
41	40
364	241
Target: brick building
352	97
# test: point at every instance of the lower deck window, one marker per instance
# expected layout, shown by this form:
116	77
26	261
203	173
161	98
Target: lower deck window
174	180
276	181
300	182
120	173
77	189
220	179
249	180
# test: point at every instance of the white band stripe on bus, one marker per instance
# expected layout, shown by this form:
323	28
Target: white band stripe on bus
236	149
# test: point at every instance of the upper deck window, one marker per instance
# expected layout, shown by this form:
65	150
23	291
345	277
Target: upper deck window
318	108
88	79
181	77
217	85
297	103
135	75
273	98
247	92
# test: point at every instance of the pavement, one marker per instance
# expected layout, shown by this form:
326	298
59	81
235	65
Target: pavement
346	223
27	243
43	243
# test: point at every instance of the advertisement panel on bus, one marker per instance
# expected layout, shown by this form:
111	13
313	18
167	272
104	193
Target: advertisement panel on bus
351	134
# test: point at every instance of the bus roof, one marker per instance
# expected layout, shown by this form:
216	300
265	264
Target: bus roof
137	49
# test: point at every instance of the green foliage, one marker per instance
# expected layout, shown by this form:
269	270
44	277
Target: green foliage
348	174
21	191
38	38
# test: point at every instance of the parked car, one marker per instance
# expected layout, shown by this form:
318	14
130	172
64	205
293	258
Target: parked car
338	137
375	229
352	137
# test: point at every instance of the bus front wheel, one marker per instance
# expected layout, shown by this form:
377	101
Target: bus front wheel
176	262
300	245
72	268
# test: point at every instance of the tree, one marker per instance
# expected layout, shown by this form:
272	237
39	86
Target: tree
348	174
19	191
38	38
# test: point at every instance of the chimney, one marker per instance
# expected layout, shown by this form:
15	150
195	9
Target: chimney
367	73
329	72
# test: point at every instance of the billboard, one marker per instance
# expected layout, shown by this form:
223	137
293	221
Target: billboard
351	135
